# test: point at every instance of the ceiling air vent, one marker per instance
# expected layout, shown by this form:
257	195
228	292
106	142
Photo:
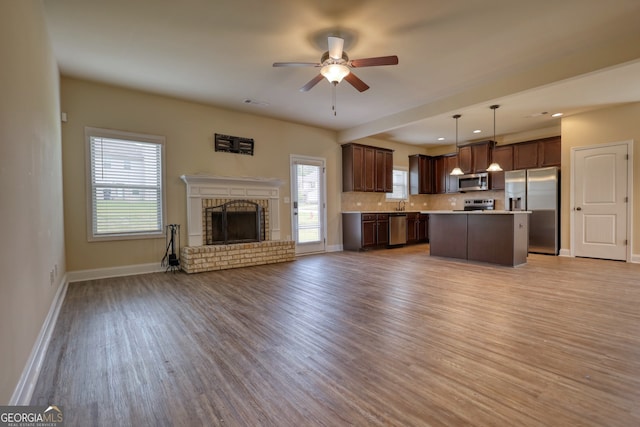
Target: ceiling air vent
233	144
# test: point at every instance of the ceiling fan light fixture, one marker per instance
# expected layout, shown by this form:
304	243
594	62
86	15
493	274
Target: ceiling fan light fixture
334	73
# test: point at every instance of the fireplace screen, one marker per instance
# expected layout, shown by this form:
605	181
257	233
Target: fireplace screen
237	221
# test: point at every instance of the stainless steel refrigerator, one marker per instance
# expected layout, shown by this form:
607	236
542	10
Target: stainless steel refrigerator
538	191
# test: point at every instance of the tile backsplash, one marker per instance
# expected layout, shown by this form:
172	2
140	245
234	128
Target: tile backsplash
368	202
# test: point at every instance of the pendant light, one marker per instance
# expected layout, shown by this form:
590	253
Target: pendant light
457	170
494	166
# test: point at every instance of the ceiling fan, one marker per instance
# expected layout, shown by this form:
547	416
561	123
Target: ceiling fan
336	65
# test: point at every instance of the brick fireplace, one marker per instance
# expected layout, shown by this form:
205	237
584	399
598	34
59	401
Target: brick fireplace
204	192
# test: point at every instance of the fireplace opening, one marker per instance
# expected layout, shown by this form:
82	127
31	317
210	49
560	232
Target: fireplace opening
236	221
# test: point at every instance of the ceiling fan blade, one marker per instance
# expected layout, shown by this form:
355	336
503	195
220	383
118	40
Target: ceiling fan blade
372	62
311	83
336	44
356	82
296	64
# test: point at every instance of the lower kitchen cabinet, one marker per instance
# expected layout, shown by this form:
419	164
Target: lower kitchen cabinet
417	228
371	230
496	238
364	230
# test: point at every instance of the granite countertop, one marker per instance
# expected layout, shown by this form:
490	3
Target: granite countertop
489	212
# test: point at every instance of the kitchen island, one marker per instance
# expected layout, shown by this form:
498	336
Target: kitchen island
497	237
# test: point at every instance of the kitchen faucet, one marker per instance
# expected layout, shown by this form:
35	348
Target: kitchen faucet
401	205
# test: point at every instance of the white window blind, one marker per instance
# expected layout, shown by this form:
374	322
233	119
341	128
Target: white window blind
126	184
399	185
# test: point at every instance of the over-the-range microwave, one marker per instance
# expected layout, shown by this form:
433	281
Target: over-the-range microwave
473	182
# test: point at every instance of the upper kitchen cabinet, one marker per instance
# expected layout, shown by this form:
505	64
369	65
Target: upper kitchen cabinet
502	155
474	158
444	182
465	159
480	157
366	168
525	155
384	171
537	154
549	152
421	174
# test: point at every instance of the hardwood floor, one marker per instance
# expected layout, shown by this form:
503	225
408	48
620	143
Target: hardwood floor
391	337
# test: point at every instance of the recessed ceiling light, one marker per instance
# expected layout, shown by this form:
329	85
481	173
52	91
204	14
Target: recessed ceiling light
556	115
477	131
441	138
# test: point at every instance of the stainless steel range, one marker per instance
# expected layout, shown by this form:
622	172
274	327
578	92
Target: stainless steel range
479	204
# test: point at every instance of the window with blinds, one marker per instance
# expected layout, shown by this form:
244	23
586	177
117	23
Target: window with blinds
126	190
399	185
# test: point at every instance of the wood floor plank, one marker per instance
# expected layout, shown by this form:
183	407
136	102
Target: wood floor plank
383	338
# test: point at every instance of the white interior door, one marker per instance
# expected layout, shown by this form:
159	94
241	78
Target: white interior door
600	206
308	204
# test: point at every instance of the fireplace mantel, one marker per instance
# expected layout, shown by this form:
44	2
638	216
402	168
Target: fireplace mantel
208	186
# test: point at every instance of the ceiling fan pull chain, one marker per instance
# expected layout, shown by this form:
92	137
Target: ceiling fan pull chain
333	98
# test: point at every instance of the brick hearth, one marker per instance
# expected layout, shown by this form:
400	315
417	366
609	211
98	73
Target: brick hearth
197	259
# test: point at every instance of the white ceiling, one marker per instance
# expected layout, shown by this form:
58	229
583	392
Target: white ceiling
455	56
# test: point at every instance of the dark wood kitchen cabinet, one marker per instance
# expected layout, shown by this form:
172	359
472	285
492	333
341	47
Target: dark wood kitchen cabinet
423	228
421	174
369	170
444	182
465	159
539	153
366	168
417	227
525	155
480	157
503	155
412	227
364	230
451	180
474	158
549	152
384	171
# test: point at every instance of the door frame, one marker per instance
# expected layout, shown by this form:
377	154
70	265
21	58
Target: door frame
574	233
323	194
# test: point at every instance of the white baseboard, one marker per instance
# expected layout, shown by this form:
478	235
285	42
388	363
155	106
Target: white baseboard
635	258
25	387
103	273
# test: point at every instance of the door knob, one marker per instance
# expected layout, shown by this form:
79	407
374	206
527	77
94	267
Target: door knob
578	208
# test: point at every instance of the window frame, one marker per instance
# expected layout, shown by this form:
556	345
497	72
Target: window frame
130	136
406	185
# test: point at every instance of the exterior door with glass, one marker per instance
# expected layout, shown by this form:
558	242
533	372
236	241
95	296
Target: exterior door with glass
308	204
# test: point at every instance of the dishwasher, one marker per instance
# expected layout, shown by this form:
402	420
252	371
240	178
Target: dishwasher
397	229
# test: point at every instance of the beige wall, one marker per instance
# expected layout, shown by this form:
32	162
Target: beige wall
189	130
30	185
600	127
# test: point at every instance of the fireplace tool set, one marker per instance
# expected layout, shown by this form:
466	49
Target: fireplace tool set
171	260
